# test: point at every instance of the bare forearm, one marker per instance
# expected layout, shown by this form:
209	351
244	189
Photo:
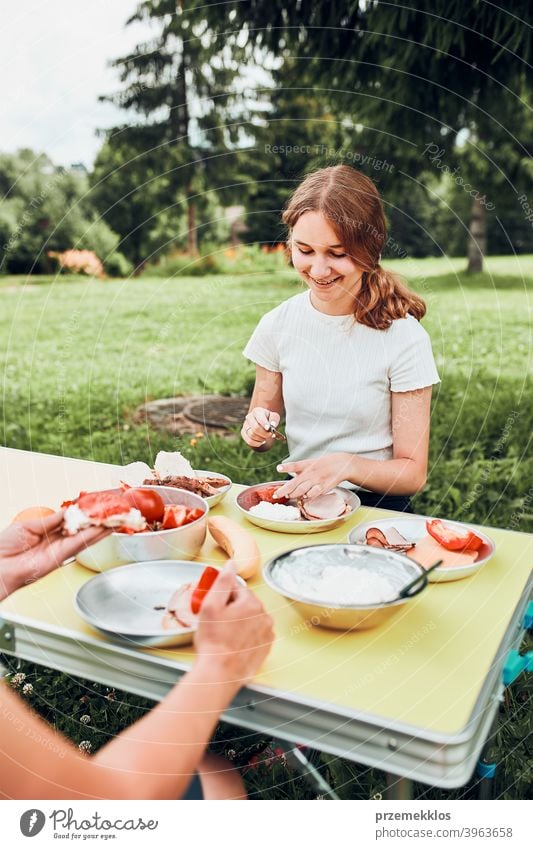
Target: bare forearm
154	758
397	477
159	753
13	578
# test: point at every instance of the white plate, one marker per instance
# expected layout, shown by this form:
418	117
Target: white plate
413	528
223	490
244	501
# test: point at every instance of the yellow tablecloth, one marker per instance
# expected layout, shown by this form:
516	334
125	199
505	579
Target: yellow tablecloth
424	668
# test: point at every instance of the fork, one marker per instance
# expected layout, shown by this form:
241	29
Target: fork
276	433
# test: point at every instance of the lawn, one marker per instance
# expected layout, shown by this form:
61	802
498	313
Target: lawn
79	356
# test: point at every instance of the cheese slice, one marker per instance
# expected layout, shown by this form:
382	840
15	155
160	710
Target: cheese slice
427	551
173	464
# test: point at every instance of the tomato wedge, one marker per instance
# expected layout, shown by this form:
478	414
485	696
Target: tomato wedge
453	539
267	494
147	501
207	579
177	515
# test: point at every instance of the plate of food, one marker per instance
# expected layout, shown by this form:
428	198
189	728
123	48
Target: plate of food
171	469
296	516
151	604
149	523
462	548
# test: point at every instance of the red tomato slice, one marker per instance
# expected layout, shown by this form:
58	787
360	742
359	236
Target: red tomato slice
453	539
207	579
267	494
175	516
147	501
194	513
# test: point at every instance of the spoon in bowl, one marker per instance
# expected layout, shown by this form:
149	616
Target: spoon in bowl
405	592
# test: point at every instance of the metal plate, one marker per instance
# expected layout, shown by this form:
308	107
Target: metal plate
122	603
245	500
413	528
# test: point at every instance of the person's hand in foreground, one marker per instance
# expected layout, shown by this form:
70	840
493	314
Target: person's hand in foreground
31	549
155	757
235	632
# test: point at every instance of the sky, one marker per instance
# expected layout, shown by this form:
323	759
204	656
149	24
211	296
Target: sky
54	58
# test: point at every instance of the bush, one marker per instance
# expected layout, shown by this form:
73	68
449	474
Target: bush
116	265
182	265
244	259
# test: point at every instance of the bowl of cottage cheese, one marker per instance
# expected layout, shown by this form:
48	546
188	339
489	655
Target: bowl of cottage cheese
342	586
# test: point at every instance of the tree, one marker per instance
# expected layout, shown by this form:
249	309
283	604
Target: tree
298	134
425	72
46	208
127	189
183	86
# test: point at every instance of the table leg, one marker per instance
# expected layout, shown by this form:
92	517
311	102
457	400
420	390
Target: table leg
297	760
398	787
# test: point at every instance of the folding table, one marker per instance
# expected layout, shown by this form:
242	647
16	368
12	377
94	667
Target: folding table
415	697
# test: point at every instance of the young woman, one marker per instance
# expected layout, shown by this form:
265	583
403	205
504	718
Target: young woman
161	755
347	360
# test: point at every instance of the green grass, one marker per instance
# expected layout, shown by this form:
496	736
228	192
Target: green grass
78	356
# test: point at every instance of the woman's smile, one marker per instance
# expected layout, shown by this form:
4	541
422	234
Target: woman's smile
324	284
322	262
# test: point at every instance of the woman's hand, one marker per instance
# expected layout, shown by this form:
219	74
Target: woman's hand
316	476
256	428
234	633
31	549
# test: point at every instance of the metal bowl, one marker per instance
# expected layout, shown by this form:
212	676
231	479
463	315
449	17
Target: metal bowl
177	543
245	500
290	574
122	604
413	528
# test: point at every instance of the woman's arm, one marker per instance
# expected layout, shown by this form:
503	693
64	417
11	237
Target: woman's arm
405	474
156	757
266	404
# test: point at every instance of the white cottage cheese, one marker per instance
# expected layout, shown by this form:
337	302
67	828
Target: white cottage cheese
277	512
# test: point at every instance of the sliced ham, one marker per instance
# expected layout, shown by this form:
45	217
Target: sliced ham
376	534
327	506
374	541
391	539
178	612
427	551
395	538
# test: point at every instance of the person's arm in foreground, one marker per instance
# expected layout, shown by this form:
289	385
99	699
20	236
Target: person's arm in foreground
156	757
404	474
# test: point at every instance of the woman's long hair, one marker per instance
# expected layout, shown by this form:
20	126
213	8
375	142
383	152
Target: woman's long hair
351	203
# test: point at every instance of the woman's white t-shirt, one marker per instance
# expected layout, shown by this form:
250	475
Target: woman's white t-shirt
338	376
